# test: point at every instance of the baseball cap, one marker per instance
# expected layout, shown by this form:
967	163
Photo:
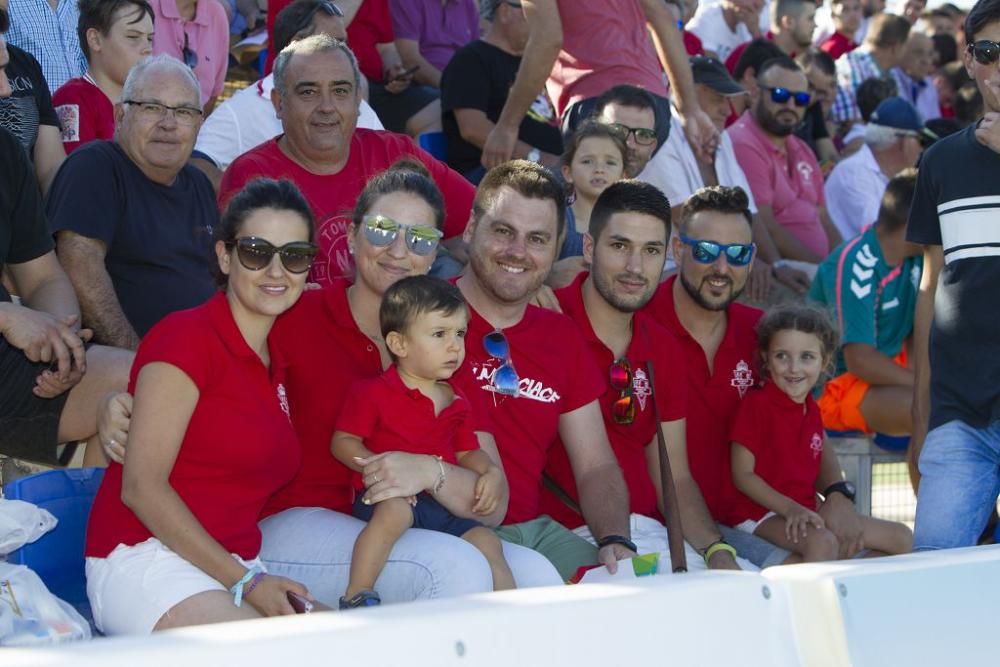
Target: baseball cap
899	114
712	73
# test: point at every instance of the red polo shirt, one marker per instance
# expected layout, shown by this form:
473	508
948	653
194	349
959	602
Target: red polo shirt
326	355
389	416
239	446
332	196
837	45
786	439
557	376
715	390
650	343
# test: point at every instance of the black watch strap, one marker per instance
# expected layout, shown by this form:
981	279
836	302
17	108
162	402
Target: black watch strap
617	539
844	488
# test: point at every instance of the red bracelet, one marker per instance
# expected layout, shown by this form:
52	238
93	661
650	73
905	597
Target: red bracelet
253	582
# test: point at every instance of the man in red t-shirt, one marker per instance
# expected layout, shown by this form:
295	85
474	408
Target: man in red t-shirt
714	253
529	373
626	247
847	17
316	96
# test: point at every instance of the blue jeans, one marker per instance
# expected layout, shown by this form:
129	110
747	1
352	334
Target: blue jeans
960	480
755	549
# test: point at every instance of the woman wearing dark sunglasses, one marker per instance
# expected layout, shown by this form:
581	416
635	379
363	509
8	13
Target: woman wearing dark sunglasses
173	538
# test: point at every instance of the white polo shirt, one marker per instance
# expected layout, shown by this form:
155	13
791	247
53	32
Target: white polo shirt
854	192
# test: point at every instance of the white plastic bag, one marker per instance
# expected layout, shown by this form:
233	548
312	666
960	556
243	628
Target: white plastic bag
30	615
22	523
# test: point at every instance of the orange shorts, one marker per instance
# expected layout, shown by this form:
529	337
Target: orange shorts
840	403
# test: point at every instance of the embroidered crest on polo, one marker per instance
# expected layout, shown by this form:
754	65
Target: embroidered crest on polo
816	445
742	378
283	400
640	387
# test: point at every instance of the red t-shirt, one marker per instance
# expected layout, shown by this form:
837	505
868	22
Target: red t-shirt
650	343
786	439
604	44
714	392
326	354
332	197
239	446
557	376
837	45
389	416
85	113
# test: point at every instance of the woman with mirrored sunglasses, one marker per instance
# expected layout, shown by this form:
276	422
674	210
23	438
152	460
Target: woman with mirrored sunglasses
173	538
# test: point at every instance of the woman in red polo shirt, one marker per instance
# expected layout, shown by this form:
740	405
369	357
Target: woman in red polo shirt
173	538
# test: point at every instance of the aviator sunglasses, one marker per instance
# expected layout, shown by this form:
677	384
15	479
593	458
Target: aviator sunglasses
706	252
782	95
382	231
255	254
985	51
505	380
623	409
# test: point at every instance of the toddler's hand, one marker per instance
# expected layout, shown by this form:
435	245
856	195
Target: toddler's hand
797	521
490	488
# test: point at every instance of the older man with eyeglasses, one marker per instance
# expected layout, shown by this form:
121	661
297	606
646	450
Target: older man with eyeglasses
133	221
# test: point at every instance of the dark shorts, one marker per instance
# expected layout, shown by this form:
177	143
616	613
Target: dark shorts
429	514
29	426
579	111
395	109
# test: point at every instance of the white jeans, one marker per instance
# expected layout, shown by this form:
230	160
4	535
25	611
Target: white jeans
313	546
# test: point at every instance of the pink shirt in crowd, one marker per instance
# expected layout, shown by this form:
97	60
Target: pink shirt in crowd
207	37
604	44
789	181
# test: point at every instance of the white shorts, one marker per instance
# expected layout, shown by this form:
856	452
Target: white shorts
749	526
135	586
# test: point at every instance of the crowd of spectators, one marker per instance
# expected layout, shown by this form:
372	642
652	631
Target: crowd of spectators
240	302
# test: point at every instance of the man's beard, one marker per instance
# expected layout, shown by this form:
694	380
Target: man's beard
697	297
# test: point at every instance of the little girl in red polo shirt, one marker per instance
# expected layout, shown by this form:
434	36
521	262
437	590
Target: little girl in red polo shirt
777	444
413	408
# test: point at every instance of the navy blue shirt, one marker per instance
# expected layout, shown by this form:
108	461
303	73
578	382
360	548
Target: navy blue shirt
158	237
23	234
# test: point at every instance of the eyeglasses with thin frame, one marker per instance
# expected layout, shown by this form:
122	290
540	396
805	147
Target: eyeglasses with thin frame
326	7
644	136
707	252
155	111
782	95
623	409
189	57
505	379
985	51
381	231
255	254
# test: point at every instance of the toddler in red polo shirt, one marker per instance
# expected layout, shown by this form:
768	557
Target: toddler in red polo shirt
413	408
777	444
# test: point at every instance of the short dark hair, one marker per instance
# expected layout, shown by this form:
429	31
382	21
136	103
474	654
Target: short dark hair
758	52
796	317
887	30
982	14
946	47
818	58
629	196
260	193
872	92
405	175
100	14
589	129
625	95
894	210
527	179
718	198
781	62
288	22
413	296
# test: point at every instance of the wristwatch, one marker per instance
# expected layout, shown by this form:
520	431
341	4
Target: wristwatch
617	539
845	488
535	155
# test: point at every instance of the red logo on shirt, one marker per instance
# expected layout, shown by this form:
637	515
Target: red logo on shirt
742	378
283	401
816	445
640	387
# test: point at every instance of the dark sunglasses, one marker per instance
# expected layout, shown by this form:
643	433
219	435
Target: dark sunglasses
327	8
189	57
382	231
782	95
707	252
643	135
505	380
986	52
623	409
255	254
